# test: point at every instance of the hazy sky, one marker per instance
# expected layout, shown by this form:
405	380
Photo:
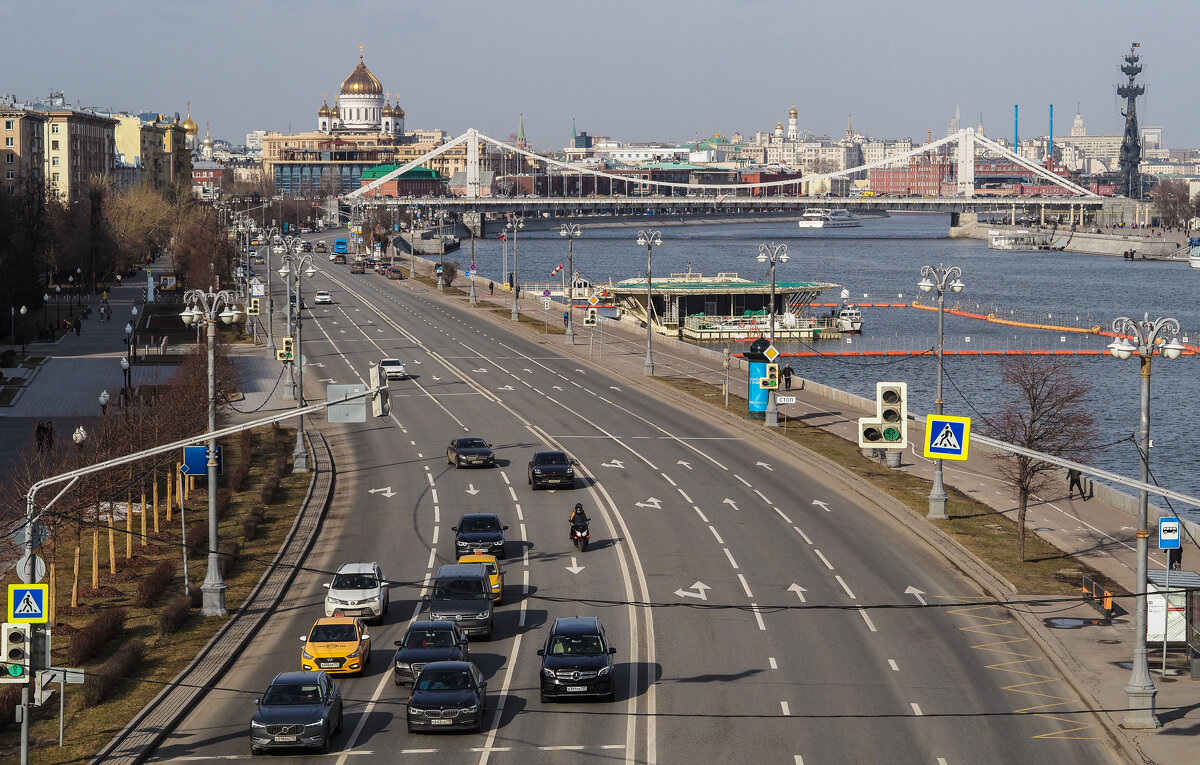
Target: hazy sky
646	70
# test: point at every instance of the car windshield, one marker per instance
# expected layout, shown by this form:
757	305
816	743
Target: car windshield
472	443
429	639
354	582
444	680
552	458
576	645
479	525
333	633
460	589
291	695
389	363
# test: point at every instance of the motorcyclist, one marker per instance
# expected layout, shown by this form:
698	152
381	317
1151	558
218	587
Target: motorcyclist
578	517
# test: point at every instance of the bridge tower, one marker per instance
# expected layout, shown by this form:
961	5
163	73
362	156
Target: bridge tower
1131	145
473	162
966	162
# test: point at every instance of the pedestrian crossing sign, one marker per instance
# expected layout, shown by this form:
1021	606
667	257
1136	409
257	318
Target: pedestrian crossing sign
27	603
947	437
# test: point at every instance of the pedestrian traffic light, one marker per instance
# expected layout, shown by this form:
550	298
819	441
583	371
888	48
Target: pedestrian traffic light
590	319
381	405
285	349
889	427
770	378
15	652
254	309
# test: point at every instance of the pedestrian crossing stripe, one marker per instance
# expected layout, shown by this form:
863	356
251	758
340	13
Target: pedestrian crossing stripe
27	603
947	437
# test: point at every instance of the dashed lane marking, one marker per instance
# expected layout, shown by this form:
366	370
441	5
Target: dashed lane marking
824	560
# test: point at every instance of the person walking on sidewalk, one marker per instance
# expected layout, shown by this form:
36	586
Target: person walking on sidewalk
77	326
491	288
787	376
1074	483
41	435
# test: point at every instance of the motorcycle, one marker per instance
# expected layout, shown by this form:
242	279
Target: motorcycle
580	536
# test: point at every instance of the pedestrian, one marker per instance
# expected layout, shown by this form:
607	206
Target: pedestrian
491	288
41	435
565	319
77	326
1074	483
50	434
787	376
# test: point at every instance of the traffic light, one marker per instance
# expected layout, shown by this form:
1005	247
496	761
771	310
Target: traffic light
381	406
770	378
590	319
15	652
254	308
285	349
889	427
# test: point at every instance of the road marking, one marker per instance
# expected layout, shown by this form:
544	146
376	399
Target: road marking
729	555
433	495
867	619
512	493
824	560
892	663
432	556
505	477
783	516
745	586
564	748
520	515
941	761
821	504
802	534
916	593
799	591
699	513
771	661
437	514
757	616
715	534
799	760
523	534
916	709
525	591
762	496
730	502
434	540
428	475
668	479
686	498
784	706
845	586
743	480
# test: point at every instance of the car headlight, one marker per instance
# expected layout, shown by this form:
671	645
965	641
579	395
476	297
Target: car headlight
318	723
498	543
414	711
603	671
257	724
570	471
470	710
337	601
461	542
404	666
547	672
305	654
482	615
537	471
356	654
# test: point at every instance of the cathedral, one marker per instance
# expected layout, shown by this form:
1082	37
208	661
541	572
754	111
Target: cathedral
361	106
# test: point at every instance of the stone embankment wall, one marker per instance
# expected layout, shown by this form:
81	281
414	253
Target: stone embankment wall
1092	243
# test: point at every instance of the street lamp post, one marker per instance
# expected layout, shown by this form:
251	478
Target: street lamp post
125	372
649	239
57	306
103	399
24	311
570	231
204	306
1161	334
46	305
938	278
513	226
293	263
774	253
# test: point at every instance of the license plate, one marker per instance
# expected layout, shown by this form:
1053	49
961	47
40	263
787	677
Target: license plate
479	551
440	722
576	688
285	738
328	665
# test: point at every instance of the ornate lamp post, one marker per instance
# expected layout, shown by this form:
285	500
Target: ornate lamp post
774	253
46	305
125	372
515	225
649	240
204	306
103	399
300	454
13	328
1161	334
939	278
570	231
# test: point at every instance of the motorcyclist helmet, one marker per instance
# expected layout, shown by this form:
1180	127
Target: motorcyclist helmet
579	506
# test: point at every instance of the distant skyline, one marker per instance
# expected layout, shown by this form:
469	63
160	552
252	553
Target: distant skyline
635	71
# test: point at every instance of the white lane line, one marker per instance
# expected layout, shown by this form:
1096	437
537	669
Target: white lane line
613	746
757	616
771	661
686	498
512	493
799	760
701	514
762	496
867	619
420	456
437	514
916	709
745	586
565	748
892	663
491	737
802	534
845	586
436	529
941	761
784	706
433	495
715	534
743	480
428	475
432	556
824	560
523	534
505	477
525	601
783	516
668	479
729	555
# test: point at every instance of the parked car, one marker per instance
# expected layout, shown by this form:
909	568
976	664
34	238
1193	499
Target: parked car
551	468
425	642
358	589
299	709
577	660
470	450
380	267
479	533
448	695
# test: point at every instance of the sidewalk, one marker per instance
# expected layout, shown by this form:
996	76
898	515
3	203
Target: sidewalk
1094	655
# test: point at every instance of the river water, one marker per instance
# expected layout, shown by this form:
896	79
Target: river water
881	261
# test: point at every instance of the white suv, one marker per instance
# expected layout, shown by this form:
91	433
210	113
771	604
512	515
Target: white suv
392	368
358	589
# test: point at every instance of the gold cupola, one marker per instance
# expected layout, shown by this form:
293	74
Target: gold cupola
361	81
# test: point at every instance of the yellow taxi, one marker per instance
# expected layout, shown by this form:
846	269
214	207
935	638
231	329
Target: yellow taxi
494	572
336	644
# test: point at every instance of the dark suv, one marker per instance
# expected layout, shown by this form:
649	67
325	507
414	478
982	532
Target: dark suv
551	468
577	660
479	533
424	642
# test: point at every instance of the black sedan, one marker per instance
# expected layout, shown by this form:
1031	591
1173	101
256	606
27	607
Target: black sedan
551	468
299	709
426	642
470	451
448	695
479	533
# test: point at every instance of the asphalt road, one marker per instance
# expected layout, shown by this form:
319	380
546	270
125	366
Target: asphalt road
762	611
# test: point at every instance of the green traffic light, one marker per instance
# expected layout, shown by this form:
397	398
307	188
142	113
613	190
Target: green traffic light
15	670
891	434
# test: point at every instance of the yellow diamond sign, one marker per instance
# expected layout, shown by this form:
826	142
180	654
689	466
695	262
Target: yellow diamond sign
593	300
771	353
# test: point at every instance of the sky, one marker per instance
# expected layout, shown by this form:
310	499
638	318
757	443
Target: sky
650	70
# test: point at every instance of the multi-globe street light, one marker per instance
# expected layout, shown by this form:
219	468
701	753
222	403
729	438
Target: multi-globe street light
295	264
514	226
1161	335
649	239
209	307
939	279
570	231
775	253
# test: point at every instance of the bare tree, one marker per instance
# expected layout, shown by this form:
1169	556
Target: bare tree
1047	413
1172	201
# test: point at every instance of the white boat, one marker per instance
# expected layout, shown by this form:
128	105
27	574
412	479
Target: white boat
1194	252
1018	240
849	319
824	217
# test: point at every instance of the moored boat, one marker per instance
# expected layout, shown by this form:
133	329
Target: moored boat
824	217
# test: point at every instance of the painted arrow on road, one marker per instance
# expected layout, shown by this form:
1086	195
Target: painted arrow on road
916	594
471	489
385	491
799	592
767	466
479	371
821	505
574	568
327	380
614	464
580	371
651	502
687	465
506	387
699	588
730	502
556	387
613	387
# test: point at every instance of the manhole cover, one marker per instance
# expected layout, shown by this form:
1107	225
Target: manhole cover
1043	528
1064	623
1109	641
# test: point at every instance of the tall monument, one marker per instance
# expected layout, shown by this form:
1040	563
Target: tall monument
1131	145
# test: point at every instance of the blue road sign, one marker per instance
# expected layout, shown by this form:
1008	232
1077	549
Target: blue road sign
195	460
947	437
27	603
1168	533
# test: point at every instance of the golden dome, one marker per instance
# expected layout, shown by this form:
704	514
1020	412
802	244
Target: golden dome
189	125
324	111
792	112
361	81
779	126
397	112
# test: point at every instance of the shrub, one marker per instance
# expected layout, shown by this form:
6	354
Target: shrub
154	583
230	553
174	614
197	539
224	497
90	640
279	469
237	479
270	488
10	699
100	683
249	528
